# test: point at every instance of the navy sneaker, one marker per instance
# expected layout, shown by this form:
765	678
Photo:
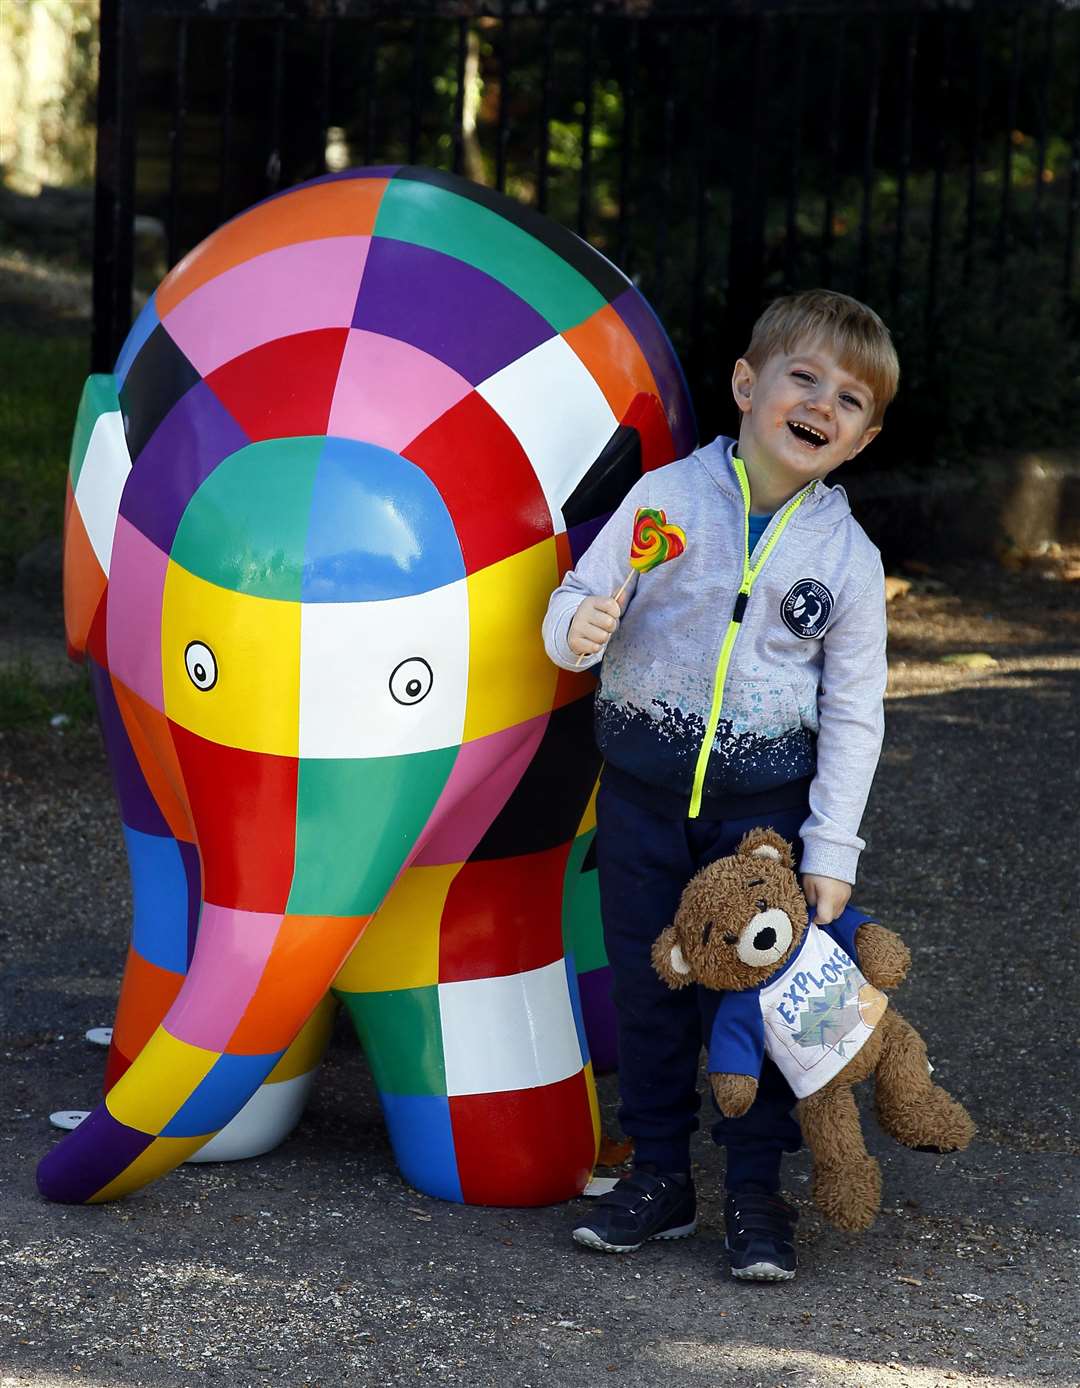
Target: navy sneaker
644	1205
760	1236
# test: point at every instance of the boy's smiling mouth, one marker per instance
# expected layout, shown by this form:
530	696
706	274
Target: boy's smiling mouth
807	434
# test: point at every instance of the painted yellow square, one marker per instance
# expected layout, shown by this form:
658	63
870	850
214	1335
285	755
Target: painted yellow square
588	819
150	1094
163	1154
254	701
400	947
307	1050
510	677
594	1106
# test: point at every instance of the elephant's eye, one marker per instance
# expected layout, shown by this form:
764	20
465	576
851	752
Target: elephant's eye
411	681
201	665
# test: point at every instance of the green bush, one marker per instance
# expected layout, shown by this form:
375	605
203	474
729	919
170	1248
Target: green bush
41	377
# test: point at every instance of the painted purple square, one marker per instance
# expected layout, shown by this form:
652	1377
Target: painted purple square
90	1158
448	309
196	435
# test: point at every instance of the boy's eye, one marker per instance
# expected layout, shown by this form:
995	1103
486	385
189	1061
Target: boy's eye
803	376
852	400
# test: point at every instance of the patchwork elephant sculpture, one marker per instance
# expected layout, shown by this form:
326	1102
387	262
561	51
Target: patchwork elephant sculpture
314	516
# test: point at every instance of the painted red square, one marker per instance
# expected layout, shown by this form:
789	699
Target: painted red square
496	502
243	805
646	415
524	1146
284	388
503	916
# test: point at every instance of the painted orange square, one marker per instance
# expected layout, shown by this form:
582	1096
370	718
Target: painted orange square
346	207
147	994
84	580
151	741
308	952
609	350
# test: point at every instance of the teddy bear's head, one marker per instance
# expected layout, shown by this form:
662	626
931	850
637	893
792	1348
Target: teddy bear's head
738	921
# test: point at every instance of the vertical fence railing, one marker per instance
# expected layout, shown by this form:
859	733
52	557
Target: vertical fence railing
719	152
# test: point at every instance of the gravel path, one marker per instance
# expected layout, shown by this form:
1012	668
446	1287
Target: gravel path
315	1265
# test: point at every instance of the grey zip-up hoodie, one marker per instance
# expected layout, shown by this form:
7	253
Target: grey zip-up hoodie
793	690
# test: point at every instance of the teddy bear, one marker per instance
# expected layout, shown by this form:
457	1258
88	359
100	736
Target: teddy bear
808	996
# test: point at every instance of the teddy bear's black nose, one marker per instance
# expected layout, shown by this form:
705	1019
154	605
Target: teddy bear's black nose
765	939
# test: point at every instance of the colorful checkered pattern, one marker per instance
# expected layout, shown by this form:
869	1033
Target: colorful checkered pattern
349	448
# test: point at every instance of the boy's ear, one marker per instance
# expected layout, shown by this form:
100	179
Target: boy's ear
668	959
868	436
742	384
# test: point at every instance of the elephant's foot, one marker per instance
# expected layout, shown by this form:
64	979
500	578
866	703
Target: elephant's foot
849	1196
519	1147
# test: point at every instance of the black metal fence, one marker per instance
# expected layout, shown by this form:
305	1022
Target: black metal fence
923	156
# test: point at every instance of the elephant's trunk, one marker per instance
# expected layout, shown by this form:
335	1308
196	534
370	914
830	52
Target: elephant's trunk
254	980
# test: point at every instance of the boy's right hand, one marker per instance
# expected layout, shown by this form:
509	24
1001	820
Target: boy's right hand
593	625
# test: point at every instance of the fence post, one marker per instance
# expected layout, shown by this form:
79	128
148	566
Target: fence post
114	182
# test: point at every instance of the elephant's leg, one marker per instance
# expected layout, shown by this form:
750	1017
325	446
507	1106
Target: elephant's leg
164	866
584	938
166	891
468	1010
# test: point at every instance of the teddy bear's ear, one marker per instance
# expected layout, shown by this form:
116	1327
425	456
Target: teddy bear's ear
668	959
766	843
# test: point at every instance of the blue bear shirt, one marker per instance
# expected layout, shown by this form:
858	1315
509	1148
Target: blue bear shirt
811	1016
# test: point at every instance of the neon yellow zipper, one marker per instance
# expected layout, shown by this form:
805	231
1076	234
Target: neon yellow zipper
748	579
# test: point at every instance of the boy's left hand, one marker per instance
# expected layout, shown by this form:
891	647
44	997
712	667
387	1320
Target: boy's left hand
827	895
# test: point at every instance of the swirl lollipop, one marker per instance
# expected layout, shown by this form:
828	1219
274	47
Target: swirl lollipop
653	543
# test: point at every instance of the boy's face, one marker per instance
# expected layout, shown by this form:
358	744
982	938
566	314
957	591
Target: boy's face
802	416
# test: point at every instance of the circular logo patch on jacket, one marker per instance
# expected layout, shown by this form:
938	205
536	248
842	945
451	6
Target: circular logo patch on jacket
807	608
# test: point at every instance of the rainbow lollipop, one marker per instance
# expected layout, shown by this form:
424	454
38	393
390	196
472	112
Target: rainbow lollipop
653	543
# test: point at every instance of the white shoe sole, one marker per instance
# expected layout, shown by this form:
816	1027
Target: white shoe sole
763	1272
589	1239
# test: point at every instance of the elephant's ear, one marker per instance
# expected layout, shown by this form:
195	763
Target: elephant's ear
97	471
669	961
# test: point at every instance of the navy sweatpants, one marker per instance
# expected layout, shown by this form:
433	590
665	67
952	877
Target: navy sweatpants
644	862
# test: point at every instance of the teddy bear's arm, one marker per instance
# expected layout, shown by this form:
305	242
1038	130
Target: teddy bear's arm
734	1093
883	956
736	1050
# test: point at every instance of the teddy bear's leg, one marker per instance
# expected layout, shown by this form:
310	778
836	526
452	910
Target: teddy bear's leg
910	1106
847	1180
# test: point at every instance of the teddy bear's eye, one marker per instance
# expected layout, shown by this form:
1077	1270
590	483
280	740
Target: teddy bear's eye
706	932
761	903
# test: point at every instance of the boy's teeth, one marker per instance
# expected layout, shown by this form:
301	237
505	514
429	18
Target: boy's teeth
808	431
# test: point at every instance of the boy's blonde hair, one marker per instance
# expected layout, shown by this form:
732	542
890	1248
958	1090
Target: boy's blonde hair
854	333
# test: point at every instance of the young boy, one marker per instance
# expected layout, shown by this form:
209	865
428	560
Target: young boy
742	685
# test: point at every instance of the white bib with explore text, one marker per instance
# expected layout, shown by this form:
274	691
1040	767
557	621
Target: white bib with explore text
818	1014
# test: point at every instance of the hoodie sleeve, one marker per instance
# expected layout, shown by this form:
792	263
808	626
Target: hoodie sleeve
851	725
600	572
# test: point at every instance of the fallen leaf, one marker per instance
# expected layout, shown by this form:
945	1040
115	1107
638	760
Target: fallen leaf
910	1281
896	587
614	1152
969	660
